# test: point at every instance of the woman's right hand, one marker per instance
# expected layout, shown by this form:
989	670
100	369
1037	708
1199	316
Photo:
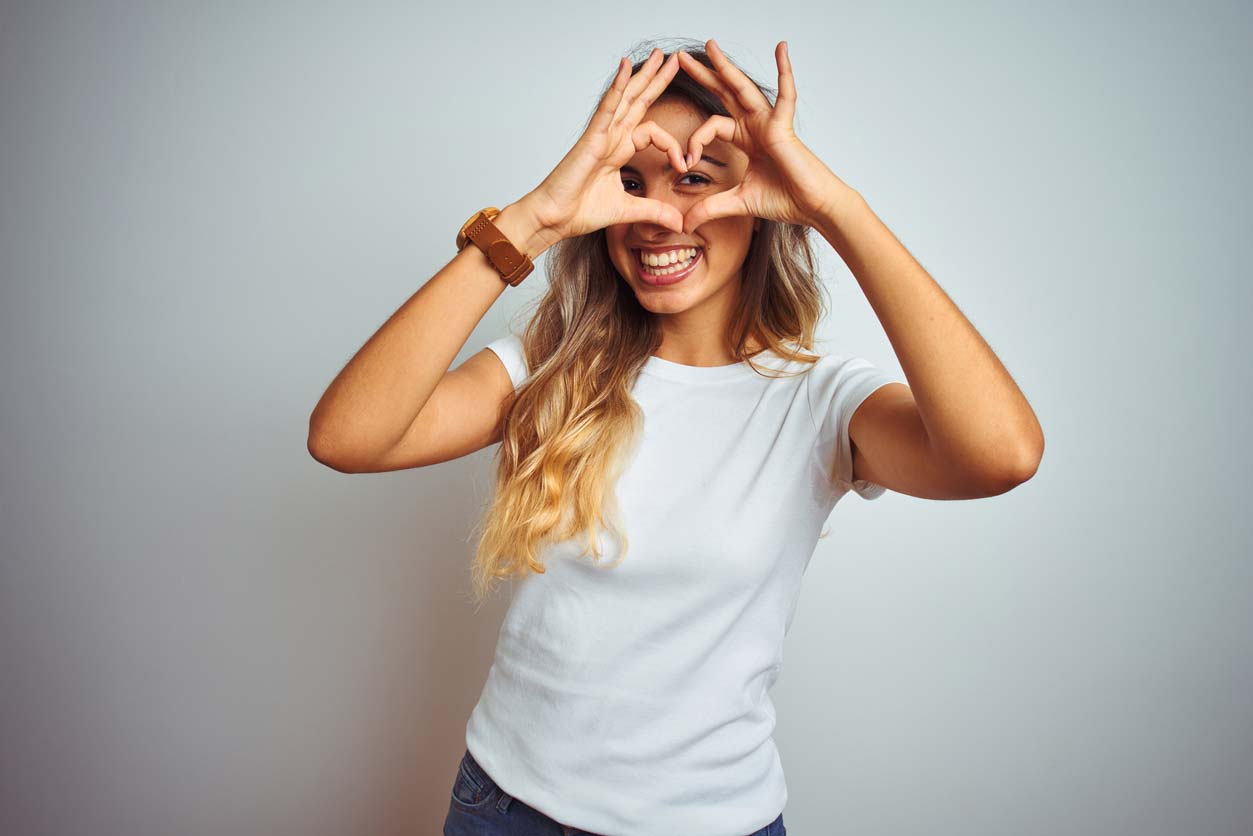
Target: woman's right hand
584	192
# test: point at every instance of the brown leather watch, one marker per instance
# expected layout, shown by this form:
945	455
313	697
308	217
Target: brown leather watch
513	266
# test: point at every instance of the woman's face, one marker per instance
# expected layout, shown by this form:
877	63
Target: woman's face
712	281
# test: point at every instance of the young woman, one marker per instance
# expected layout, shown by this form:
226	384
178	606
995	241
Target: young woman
662	410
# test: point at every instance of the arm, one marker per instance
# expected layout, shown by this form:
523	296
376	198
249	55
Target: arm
372	403
962	428
375	399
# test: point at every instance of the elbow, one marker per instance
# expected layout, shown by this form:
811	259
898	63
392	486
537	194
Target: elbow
1013	470
1030	455
323	446
1022	466
323	452
318	450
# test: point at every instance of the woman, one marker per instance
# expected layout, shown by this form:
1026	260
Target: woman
662	394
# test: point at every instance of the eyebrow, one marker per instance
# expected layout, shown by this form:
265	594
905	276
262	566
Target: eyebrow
668	167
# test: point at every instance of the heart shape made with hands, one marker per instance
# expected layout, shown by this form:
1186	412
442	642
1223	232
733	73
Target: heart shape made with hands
648	133
784	180
738	200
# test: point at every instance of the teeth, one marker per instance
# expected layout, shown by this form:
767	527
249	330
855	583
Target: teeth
663	260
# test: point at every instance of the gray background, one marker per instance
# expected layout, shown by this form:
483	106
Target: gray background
206	209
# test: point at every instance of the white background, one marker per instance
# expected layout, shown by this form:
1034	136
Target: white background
205	209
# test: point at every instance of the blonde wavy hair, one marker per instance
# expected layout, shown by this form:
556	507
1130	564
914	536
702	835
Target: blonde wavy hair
573	426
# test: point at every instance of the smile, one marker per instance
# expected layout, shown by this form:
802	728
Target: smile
669	267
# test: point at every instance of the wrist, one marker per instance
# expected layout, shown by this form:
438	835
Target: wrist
519	223
833	218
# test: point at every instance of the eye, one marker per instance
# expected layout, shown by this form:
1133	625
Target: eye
701	180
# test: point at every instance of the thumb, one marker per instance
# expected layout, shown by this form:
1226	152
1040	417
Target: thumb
721	205
647	210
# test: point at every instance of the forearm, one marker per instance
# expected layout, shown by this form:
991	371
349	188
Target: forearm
371	403
976	417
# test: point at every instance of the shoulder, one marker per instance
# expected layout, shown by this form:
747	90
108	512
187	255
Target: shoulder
509	349
838	382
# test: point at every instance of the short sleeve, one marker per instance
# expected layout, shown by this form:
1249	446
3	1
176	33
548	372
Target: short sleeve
837	386
509	349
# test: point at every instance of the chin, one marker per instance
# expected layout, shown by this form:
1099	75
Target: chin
662	304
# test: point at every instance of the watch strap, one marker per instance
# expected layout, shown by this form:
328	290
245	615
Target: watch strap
513	265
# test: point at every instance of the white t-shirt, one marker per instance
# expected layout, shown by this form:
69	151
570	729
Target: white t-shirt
633	700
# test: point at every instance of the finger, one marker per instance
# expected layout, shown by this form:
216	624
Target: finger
650	133
715	127
654	89
649	211
785	102
721	205
707	78
747	93
609	102
637	83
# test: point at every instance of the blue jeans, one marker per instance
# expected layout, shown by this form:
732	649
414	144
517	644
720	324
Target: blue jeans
480	808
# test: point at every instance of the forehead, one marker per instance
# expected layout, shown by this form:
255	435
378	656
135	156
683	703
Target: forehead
675	114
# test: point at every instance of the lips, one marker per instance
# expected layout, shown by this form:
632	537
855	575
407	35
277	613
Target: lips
673	278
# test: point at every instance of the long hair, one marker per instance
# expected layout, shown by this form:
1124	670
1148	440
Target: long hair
573	426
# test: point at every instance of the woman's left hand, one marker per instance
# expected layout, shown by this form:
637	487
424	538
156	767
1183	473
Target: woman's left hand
785	181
